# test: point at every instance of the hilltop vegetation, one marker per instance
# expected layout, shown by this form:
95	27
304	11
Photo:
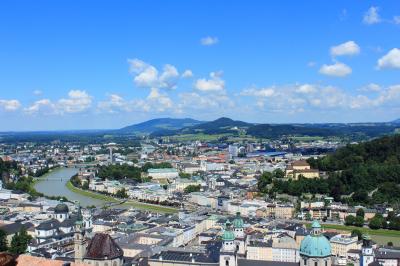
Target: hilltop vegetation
369	172
364	167
169	124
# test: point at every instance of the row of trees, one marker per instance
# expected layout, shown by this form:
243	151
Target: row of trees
19	242
377	222
128	171
192	188
357	220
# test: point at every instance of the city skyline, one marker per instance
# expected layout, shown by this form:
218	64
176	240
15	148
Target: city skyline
94	65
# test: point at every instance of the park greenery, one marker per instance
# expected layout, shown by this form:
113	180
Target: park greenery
116	172
192	188
19	242
120	172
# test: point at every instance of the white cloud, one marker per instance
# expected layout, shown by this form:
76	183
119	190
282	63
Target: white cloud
159	101
343	15
372	16
371	87
113	104
311	64
10	105
169	77
208	41
214	83
396	20
347	48
263	92
390	60
293	98
336	70
37	92
209	102
43	105
187	73
306	89
77	101
147	76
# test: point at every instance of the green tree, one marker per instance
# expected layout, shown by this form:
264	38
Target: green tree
184	175
360	213
376	222
121	193
263	182
192	188
278	173
349	220
19	242
359	221
3	240
357	233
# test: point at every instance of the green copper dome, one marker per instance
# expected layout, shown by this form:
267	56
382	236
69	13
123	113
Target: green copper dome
228	235
315	224
238	221
316	244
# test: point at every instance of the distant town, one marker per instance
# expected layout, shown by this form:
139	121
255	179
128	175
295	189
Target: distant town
201	197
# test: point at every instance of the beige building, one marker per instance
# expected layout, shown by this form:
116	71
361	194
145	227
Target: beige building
280	211
301	168
259	251
341	244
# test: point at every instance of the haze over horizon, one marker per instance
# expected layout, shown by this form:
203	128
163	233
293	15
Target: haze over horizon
97	65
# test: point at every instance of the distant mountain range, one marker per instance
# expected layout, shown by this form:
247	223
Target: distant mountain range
171	126
153	125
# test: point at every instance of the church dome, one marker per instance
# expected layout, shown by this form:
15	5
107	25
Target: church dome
316	244
228	235
238	221
61	208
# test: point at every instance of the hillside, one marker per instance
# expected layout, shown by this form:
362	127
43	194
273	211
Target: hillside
221	125
273	131
218	126
153	125
354	170
364	167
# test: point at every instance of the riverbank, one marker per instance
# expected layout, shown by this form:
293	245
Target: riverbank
128	203
43	177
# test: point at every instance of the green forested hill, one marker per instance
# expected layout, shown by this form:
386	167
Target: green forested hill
369	172
364	167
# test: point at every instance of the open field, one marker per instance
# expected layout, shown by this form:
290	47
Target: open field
198	136
381	236
307	138
129	203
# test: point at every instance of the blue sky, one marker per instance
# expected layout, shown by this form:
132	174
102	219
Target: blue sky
107	64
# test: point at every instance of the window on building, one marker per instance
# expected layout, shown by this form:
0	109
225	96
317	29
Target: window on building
305	262
326	263
316	263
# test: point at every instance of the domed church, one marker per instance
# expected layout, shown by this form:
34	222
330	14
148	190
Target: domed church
315	249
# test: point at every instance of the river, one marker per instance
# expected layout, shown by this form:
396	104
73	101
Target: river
53	184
